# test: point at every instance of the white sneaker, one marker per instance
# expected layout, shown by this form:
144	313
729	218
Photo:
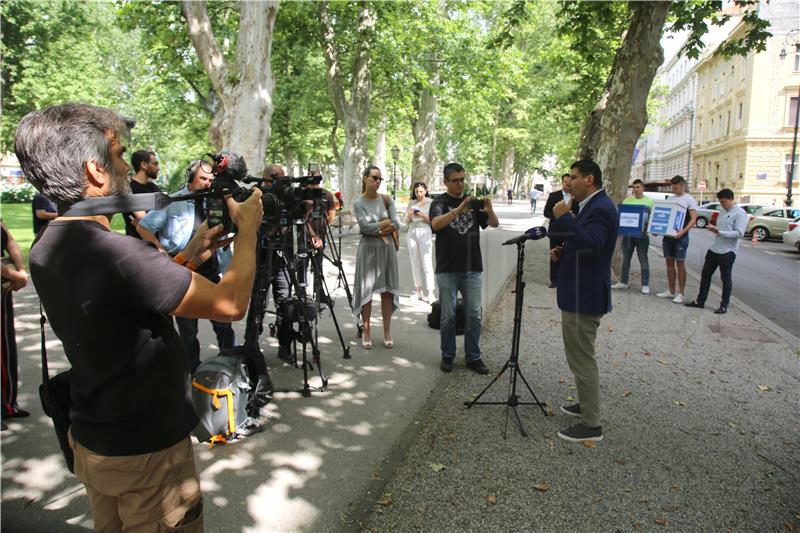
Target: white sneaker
645	289
429	298
416	297
678	299
619	285
665	294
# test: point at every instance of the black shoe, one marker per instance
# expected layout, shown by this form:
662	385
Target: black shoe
3	426
285	355
446	365
579	433
478	367
552	285
695	303
18	413
721	310
572	410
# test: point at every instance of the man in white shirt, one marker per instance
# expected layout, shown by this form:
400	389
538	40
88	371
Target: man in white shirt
731	225
675	248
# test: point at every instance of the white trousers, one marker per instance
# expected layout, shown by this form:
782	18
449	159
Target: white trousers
420	251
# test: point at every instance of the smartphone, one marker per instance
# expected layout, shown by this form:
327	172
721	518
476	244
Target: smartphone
416	209
477	203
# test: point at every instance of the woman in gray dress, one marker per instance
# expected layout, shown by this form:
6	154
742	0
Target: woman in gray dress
376	261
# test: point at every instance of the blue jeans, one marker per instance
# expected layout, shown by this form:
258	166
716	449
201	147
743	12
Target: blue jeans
469	284
641	244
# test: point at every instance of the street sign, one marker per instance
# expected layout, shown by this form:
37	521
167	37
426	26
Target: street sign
701	186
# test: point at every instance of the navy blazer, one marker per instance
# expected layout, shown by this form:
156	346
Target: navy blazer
584	273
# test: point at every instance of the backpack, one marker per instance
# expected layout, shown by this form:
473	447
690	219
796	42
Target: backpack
435	316
221	395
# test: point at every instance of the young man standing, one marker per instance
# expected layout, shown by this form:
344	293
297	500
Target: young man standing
641	243
459	265
730	228
675	248
145	166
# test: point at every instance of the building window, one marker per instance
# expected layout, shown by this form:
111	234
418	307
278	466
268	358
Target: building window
787	164
728	124
797	58
792	111
739	118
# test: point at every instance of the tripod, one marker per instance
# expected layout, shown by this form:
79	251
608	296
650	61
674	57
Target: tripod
336	260
513	361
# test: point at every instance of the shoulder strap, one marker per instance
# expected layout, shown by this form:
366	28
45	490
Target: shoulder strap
386	201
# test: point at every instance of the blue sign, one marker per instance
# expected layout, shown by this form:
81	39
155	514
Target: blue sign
660	221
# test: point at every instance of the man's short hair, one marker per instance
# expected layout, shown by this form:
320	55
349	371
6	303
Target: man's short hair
274	168
140	156
587	167
637	181
452	168
677	179
725	194
565	175
53	145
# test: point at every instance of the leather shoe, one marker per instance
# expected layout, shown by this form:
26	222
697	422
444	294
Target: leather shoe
721	310
478	367
696	304
446	365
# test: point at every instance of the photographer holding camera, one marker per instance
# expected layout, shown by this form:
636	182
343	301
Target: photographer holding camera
170	229
456	219
131	411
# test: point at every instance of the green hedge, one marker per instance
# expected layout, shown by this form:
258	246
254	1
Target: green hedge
17	194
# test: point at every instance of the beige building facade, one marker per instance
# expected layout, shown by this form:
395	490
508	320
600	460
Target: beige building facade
745	113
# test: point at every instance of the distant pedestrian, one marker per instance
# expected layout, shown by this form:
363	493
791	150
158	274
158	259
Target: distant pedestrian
639	243
509	196
145	167
44	210
459	266
14	278
557	196
420	242
675	248
376	259
534	197
584	288
730	228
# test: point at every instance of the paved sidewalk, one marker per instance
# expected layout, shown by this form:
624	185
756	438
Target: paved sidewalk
313	467
700	417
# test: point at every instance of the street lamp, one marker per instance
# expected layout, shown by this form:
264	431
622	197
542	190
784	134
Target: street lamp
793	37
395	155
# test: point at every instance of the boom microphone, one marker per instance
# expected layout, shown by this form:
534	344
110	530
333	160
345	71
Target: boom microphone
532	234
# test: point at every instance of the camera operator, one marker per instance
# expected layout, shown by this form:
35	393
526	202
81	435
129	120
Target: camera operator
170	229
131	411
317	223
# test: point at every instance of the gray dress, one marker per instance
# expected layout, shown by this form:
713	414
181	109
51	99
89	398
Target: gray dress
376	260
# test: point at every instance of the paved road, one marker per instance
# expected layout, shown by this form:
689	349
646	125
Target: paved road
766	276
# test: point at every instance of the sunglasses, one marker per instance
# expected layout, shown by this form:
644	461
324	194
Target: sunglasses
457	180
376	178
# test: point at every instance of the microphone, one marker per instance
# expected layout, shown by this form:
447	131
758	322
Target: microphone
532	234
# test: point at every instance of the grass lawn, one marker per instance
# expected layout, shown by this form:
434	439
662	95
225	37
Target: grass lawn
18	218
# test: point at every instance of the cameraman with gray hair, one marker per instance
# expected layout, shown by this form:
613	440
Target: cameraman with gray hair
131	410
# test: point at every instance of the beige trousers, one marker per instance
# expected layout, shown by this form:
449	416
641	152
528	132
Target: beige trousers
579	332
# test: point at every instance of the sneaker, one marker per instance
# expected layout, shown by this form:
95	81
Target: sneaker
721	310
695	304
579	433
678	299
416	297
478	367
430	298
665	294
18	413
572	410
619	285
446	365
645	290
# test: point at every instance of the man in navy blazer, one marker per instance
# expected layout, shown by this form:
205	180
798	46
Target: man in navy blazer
584	288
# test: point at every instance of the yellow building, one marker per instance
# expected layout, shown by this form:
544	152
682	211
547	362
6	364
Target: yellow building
745	119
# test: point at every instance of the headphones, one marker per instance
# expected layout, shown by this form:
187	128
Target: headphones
191	170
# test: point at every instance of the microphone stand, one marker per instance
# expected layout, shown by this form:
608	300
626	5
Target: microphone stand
513	361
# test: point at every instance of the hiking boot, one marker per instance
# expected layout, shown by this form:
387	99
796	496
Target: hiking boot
478	367
446	365
572	410
579	433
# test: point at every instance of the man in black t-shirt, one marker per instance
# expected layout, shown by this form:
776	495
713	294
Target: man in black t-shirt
44	211
131	410
459	265
145	168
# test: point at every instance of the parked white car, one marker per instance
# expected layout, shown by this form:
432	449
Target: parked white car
792	235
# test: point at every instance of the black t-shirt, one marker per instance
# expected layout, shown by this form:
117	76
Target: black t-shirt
41	202
107	299
458	244
319	224
137	188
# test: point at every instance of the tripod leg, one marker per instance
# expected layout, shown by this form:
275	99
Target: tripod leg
478	397
323	285
536	400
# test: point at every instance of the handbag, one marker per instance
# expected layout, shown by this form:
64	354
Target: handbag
56	396
395	232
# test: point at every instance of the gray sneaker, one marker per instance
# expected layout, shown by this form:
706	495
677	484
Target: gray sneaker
579	433
572	410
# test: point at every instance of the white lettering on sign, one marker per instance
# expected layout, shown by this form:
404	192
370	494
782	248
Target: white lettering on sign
629	220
